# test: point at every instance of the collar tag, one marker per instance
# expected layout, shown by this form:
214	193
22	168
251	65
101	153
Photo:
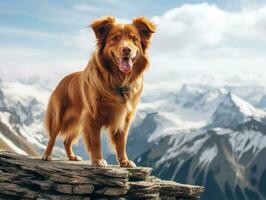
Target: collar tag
122	91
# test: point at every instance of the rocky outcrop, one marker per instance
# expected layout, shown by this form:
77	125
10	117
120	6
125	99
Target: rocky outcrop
23	177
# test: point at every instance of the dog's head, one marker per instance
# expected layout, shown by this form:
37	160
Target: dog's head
122	45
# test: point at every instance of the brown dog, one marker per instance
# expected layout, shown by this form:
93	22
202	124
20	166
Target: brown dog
105	94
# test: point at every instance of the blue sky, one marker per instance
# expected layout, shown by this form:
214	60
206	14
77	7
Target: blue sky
64	16
49	39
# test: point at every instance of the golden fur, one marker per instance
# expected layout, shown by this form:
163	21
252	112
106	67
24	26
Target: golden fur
86	101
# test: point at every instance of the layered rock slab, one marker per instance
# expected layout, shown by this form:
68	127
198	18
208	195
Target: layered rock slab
23	177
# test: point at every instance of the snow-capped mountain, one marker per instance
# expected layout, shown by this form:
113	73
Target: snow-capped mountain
202	100
225	153
233	111
230	163
262	103
212	135
21	118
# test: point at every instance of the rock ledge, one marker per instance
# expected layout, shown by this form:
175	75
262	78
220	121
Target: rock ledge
23	177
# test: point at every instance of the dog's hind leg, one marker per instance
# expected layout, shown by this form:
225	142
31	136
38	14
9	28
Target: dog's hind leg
53	132
52	126
68	143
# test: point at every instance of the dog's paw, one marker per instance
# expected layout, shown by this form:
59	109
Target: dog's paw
75	158
100	163
127	163
46	157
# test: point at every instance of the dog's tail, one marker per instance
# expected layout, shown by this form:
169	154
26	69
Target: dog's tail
52	117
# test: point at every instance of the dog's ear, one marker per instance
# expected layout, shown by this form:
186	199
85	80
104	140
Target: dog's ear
146	28
101	28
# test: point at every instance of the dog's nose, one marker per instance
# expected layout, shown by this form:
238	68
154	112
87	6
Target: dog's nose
126	51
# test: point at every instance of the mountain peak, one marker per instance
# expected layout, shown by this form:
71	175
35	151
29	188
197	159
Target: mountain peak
234	110
244	107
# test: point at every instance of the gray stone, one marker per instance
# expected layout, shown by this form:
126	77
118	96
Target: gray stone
25	177
83	189
112	191
64	188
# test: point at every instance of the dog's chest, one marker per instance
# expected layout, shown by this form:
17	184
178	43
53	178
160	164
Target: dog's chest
116	110
115	115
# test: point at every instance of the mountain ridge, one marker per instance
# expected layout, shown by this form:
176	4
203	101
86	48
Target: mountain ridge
179	132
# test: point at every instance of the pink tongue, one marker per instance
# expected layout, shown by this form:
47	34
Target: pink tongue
125	65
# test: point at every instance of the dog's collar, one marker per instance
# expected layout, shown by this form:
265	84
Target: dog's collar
122	91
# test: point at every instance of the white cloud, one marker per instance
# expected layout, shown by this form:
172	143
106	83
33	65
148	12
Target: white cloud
22	63
86	8
205	31
120	4
106	7
191	39
202	38
23	31
83	39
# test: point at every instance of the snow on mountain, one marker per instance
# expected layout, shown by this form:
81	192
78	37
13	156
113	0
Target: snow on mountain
187	104
219	159
262	103
21	115
199	99
24	93
194	102
10	144
187	112
171	117
233	111
248	137
245	107
169	123
207	156
188	94
179	143
190	143
187	108
197	133
250	93
218	153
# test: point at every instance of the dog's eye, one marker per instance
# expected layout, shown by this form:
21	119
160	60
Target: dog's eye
115	38
135	39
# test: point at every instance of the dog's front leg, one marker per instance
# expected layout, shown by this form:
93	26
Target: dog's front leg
119	139
92	139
